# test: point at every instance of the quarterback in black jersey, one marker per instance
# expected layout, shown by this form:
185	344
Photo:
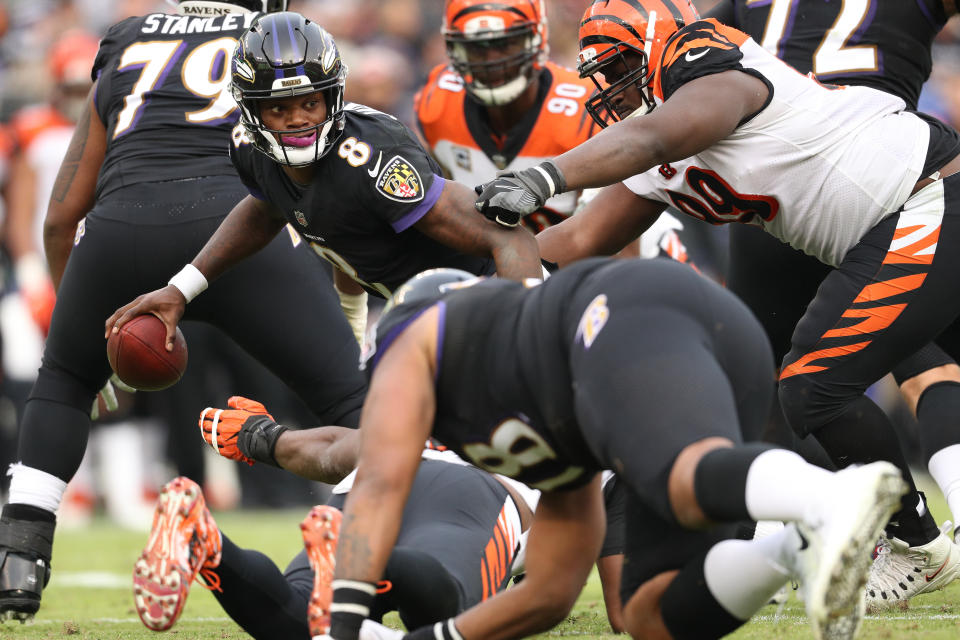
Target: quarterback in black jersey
884	45
641	366
146	180
352	182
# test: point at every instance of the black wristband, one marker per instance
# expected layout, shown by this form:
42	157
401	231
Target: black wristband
258	438
445	629
351	606
559	182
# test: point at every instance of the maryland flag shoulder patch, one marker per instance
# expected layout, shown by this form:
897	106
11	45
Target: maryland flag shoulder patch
400	181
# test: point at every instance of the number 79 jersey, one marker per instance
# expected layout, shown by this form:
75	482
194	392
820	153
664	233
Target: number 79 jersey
817	166
163	96
456	132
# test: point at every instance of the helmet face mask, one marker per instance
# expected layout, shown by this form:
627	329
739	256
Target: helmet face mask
304	61
496	47
624	68
625	39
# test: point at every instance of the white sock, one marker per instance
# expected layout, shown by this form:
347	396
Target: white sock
34	487
945	468
767	528
744	574
782	486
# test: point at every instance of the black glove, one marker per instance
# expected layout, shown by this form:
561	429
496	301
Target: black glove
514	194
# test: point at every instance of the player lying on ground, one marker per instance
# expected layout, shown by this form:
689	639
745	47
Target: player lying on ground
641	366
461	540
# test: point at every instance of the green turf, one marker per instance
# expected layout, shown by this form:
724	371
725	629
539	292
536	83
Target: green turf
104	554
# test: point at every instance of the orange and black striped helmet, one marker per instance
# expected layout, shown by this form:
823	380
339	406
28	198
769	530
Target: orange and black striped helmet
496	46
611	28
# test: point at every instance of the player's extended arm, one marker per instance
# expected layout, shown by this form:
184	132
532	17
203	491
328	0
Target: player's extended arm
564	542
74	190
246	432
249	227
453	221
699	114
677	129
396	420
610	568
613	218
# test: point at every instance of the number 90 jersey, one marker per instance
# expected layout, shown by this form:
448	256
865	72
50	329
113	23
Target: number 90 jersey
877	43
163	96
455	130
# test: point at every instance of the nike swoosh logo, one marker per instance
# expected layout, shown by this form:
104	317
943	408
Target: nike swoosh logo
376	169
690	57
934	574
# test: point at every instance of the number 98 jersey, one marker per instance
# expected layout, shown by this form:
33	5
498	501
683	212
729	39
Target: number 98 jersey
877	43
160	80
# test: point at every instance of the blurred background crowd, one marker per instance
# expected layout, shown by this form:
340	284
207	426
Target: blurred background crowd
47	49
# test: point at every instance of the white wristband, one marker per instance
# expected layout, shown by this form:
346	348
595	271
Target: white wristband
189	281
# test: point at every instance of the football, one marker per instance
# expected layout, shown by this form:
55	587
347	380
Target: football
138	356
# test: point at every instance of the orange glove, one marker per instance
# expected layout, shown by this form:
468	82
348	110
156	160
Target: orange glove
220	428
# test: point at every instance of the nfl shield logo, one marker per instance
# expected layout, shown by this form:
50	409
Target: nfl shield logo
302	219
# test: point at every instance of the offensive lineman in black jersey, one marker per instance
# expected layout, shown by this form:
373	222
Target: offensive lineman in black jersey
884	45
353	182
148	168
640	366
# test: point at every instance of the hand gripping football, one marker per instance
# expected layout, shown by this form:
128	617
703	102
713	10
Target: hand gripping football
138	355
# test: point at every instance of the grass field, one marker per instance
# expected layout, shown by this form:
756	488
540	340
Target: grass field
89	597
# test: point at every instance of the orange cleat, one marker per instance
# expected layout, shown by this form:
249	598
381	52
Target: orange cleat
184	541
321	530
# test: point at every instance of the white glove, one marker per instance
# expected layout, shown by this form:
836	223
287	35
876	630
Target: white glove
109	396
371	630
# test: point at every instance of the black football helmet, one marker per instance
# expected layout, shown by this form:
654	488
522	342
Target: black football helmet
213	7
282	55
414	295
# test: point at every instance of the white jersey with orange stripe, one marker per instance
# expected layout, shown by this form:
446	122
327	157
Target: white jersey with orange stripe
817	167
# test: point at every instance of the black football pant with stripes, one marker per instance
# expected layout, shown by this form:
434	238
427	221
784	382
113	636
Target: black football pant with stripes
278	305
894	293
449	556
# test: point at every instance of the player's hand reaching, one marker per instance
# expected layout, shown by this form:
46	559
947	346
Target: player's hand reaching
167	303
514	194
245	432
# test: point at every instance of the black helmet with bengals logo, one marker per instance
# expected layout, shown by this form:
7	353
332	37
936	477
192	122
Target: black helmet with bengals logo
283	55
496	46
612	28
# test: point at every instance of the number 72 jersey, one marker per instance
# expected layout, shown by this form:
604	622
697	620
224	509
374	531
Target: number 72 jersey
455	131
163	95
878	43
